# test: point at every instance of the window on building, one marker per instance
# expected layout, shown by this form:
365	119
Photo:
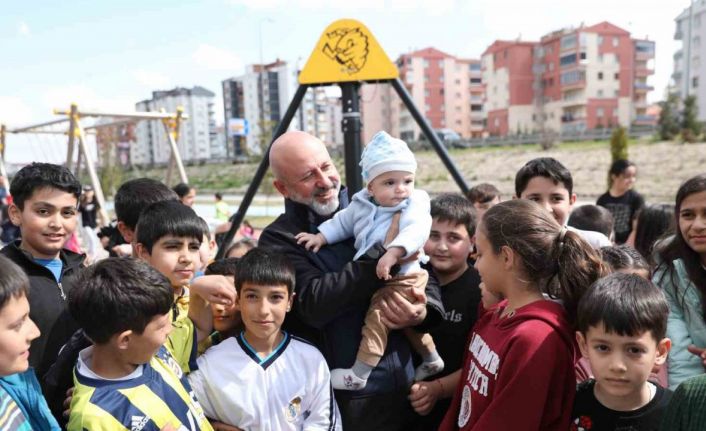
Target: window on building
616	75
695	82
505	53
599	93
616	41
616	93
476	108
458	82
582	56
441	64
426	92
441	78
567	60
426	63
441	91
600	40
427	108
551	66
426	78
568	41
458	95
476	80
474	67
600	76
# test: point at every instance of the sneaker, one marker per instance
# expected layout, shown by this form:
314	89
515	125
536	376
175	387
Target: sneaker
344	379
427	369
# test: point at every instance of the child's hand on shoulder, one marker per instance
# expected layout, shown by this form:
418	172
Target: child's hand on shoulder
215	289
311	241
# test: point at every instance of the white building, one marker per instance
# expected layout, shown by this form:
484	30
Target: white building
689	76
195	134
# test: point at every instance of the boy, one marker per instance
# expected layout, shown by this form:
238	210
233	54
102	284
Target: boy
622	322
128	379
592	217
391	213
131	198
263	378
226	318
169	238
45	209
22	406
546	181
450	241
483	196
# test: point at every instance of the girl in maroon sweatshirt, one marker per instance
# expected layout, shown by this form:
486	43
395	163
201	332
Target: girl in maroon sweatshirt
518	370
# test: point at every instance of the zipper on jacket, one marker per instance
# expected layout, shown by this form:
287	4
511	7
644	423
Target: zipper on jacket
61	291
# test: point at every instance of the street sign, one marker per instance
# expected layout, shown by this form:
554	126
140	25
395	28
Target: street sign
238	127
347	52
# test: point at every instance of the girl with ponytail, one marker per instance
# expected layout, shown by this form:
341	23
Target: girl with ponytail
519	366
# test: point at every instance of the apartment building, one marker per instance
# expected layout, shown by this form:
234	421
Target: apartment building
569	81
195	133
447	90
689	77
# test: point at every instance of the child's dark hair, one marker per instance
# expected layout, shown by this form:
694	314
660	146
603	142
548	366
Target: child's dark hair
482	193
592	217
226	266
168	218
676	247
624	257
119	294
558	261
546	167
626	304
218	196
654	222
42	175
182	189
265	267
13	281
454	208
135	195
618	167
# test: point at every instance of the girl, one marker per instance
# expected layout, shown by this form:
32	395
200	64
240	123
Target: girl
681	273
519	367
620	199
653	223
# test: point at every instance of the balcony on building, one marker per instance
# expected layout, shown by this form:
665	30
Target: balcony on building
642	71
644	50
641	87
640	103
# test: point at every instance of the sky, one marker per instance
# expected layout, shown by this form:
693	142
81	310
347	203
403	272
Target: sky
107	56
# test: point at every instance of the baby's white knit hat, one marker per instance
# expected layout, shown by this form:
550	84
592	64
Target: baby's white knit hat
385	154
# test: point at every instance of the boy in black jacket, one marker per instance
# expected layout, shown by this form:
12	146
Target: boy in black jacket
45	202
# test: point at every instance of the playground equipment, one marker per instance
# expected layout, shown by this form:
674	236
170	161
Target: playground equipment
77	137
347	55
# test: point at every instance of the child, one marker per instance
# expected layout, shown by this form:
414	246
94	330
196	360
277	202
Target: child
222	209
22	406
622	321
653	223
240	247
131	198
623	258
620	199
681	275
186	194
208	248
226	318
546	181
592	217
265	379
128	379
388	168
169	238
483	196
519	366
45	209
452	235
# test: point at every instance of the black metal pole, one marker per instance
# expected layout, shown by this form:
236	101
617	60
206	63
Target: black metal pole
282	127
351	127
429	133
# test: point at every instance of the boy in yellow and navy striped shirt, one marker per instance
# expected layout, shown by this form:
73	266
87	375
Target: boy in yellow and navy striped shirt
130	379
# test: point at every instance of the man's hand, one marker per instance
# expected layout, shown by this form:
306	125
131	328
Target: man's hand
698	351
311	241
423	396
398	312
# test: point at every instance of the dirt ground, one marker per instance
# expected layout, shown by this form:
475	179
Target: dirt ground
662	167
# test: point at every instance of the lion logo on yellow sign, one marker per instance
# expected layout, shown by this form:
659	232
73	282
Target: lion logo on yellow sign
349	47
347	52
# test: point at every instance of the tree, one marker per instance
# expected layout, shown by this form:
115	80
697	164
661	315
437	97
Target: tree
668	123
690	126
619	144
